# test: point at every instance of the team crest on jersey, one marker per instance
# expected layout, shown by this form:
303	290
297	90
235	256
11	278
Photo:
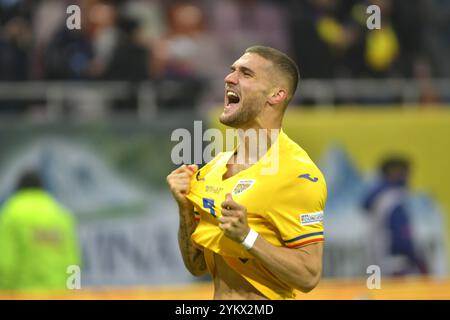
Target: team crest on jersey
242	186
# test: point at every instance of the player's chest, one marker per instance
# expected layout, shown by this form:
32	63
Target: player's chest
249	190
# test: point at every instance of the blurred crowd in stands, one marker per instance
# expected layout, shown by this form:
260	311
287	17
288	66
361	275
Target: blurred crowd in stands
192	42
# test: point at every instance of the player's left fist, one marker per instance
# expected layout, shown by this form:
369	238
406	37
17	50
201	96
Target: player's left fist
233	221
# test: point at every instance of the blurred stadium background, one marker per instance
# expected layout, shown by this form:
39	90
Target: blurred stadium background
94	109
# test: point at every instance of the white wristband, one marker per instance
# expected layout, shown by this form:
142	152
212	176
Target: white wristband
250	239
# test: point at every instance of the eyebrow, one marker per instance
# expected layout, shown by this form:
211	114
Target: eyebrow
243	69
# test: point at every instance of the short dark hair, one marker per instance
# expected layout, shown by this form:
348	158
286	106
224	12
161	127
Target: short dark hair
29	179
282	62
394	163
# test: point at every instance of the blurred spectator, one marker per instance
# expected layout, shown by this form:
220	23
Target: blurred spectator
387	205
331	38
149	14
383	47
407	20
104	34
372	53
15	42
68	56
10	9
129	60
178	55
437	36
49	17
327	42
37	239
237	24
187	45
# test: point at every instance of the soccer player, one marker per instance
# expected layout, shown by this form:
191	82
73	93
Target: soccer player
259	234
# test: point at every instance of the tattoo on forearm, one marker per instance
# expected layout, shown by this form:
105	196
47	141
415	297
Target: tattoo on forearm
192	256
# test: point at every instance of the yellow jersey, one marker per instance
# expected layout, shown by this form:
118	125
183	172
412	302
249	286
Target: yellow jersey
285	207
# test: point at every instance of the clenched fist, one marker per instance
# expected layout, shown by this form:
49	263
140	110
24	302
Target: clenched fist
179	183
233	221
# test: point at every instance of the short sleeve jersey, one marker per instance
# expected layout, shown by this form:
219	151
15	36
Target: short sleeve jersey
284	193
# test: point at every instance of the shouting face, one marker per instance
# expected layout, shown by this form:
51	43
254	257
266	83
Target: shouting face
246	90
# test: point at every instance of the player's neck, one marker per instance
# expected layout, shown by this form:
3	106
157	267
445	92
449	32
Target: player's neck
255	143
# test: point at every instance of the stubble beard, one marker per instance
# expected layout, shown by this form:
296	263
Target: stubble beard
243	115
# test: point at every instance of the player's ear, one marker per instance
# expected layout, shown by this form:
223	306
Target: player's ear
277	96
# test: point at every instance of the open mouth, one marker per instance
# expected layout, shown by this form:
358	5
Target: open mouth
231	99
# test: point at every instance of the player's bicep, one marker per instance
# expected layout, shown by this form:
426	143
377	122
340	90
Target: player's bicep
311	257
313	251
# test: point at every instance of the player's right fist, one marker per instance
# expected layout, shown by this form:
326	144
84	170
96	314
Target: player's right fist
179	183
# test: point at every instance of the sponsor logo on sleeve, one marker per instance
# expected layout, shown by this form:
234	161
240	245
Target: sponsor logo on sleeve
311	218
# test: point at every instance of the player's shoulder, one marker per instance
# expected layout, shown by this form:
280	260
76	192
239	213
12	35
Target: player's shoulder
297	170
295	159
